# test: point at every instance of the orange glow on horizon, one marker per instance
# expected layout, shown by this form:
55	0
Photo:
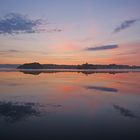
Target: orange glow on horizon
125	54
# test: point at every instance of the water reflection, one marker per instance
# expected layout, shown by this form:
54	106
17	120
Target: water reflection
86	72
32	72
101	88
14	111
125	112
70	104
53	105
109	72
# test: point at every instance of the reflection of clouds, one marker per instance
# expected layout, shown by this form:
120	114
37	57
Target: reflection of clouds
54	105
10	83
125	112
14	111
14	84
108	89
17	111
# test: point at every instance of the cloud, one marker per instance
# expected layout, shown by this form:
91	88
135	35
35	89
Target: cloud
3	52
124	25
15	52
54	30
101	48
14	23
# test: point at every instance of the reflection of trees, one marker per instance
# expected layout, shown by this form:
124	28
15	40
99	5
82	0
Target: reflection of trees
36	72
32	72
109	72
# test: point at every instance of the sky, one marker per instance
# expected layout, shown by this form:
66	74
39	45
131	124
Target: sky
70	31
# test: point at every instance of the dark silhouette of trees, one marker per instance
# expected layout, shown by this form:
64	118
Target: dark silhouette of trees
36	65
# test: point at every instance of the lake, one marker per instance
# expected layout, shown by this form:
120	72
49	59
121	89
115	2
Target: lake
75	105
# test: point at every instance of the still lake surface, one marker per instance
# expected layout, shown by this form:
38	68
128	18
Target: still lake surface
85	105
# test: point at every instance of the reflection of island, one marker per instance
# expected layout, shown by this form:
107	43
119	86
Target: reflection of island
83	66
107	71
32	72
37	72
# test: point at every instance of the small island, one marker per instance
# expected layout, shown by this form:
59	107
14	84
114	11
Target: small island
34	65
37	65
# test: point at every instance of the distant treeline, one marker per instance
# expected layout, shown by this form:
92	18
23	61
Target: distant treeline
83	66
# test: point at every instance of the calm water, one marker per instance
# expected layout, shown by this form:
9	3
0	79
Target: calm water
81	105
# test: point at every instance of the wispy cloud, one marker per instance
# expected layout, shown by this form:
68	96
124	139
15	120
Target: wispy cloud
15	52
101	48
125	24
54	30
14	23
9	51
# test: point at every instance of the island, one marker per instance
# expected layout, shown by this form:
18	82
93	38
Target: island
34	65
37	65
